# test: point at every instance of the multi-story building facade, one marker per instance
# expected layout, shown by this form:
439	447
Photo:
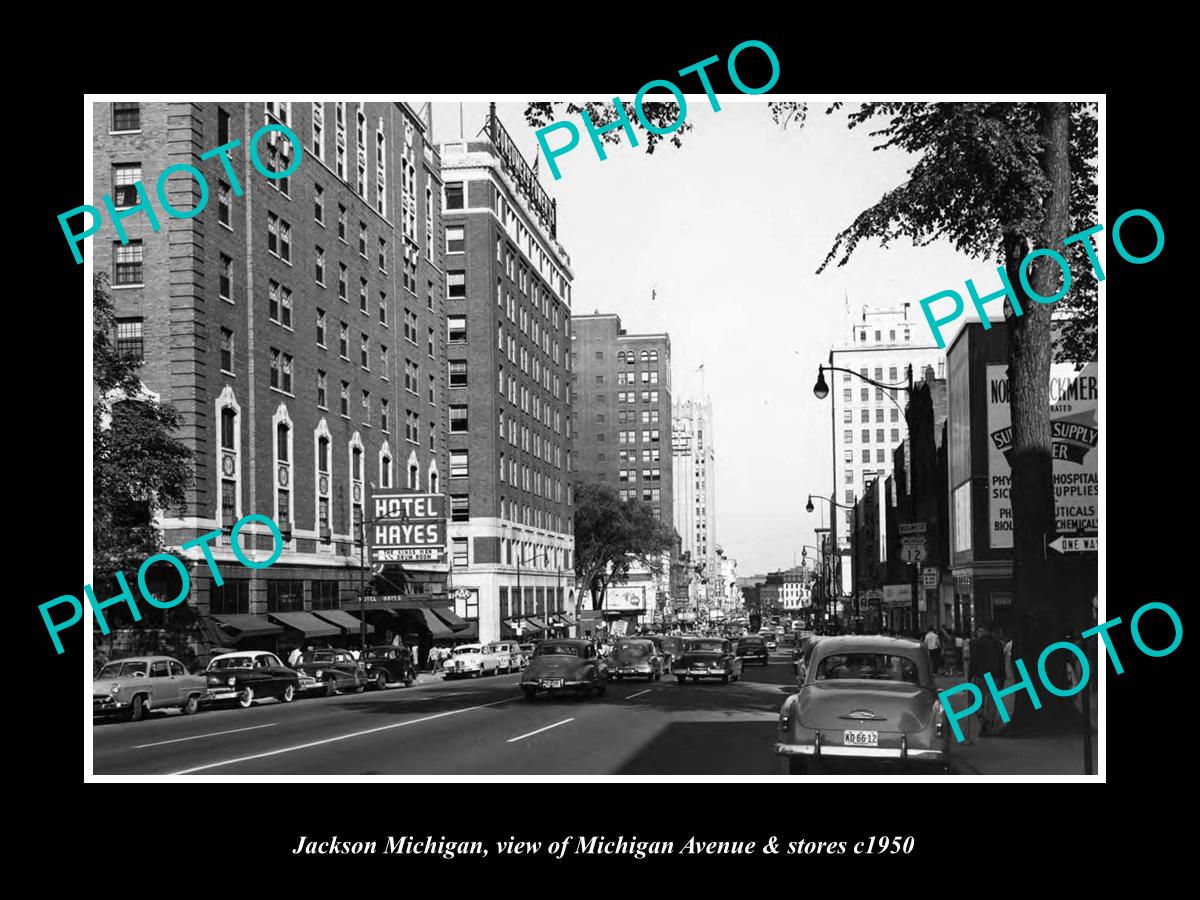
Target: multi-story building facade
621	396
287	320
508	290
695	491
867	421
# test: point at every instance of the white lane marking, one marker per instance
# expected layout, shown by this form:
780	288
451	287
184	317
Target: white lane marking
196	737
638	694
341	737
522	737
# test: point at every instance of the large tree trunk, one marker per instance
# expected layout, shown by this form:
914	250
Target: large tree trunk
1040	617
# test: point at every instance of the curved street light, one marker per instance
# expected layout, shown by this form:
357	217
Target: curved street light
821	389
809	506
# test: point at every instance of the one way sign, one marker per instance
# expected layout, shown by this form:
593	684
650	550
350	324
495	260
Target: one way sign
1075	544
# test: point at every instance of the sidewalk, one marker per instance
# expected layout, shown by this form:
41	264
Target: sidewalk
426	677
1062	755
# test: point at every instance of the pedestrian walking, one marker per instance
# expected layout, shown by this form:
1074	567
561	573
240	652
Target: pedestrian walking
416	656
987	658
294	656
933	644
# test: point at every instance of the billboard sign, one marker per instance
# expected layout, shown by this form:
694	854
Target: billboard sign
1074	431
408	528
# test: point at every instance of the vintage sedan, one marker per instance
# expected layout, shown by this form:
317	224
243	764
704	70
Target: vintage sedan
388	664
635	658
565	665
130	688
864	699
509	655
707	658
331	672
753	648
662	648
527	653
471	661
769	638
248	675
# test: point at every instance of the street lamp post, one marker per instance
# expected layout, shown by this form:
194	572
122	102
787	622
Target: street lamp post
362	570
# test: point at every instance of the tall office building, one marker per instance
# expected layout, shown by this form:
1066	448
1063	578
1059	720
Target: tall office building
621	398
693	450
279	320
868	422
508	289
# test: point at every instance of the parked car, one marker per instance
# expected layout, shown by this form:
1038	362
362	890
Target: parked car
471	661
707	658
331	672
248	675
570	664
864	699
527	653
801	644
130	688
800	662
752	648
388	664
508	653
660	645
635	658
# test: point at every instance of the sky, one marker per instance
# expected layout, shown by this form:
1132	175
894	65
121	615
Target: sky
728	232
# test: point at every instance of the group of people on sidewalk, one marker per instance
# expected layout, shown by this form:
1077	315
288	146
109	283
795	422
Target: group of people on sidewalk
987	653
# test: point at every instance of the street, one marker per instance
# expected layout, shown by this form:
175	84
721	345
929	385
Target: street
470	727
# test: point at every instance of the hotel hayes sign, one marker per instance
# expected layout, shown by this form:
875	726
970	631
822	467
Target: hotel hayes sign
408	528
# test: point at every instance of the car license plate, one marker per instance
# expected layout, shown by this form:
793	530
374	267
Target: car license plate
628	672
552	682
861	739
697	671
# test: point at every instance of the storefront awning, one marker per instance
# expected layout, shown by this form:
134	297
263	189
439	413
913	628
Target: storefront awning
248	626
567	620
450	617
306	623
435	625
535	624
342	620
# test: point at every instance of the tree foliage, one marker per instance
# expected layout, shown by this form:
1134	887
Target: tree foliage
138	464
660	115
611	535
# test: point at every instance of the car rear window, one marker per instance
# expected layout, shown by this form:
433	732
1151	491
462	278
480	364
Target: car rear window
869	666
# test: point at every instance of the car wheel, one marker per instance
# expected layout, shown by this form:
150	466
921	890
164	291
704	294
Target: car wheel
191	705
381	681
246	697
331	689
137	709
681	678
289	694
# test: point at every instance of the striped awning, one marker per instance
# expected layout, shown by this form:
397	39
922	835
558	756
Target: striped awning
245	625
342	619
306	623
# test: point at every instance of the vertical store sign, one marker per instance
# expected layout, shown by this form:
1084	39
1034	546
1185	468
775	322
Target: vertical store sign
1075	433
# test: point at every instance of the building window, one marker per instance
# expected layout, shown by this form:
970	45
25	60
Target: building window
319	204
222	127
341	223
364	352
879	457
458	373
879	435
847	395
362	239
866	456
319	265
383	414
362	296
281	371
453	196
226	350
458	418
366	408
456	285
322	390
383	255
849	479
460	508
866	436
456	239
225	278
343	340
124	176
459	464
127	263
848	436
456	327
459	551
129	338
895	435
126	117
344	400
320	328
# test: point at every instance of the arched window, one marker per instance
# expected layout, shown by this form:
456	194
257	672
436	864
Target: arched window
645	356
653	356
229	460
431	477
385	466
414	472
323	484
356	486
283	469
621	357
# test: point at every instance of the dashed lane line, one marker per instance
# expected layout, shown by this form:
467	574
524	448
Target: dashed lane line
196	737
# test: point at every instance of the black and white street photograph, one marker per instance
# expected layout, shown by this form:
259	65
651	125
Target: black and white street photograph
703	431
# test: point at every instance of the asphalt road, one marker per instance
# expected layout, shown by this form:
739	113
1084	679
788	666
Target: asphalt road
469	727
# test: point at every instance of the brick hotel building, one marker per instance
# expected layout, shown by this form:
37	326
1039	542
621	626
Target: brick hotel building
622	421
508	282
299	327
